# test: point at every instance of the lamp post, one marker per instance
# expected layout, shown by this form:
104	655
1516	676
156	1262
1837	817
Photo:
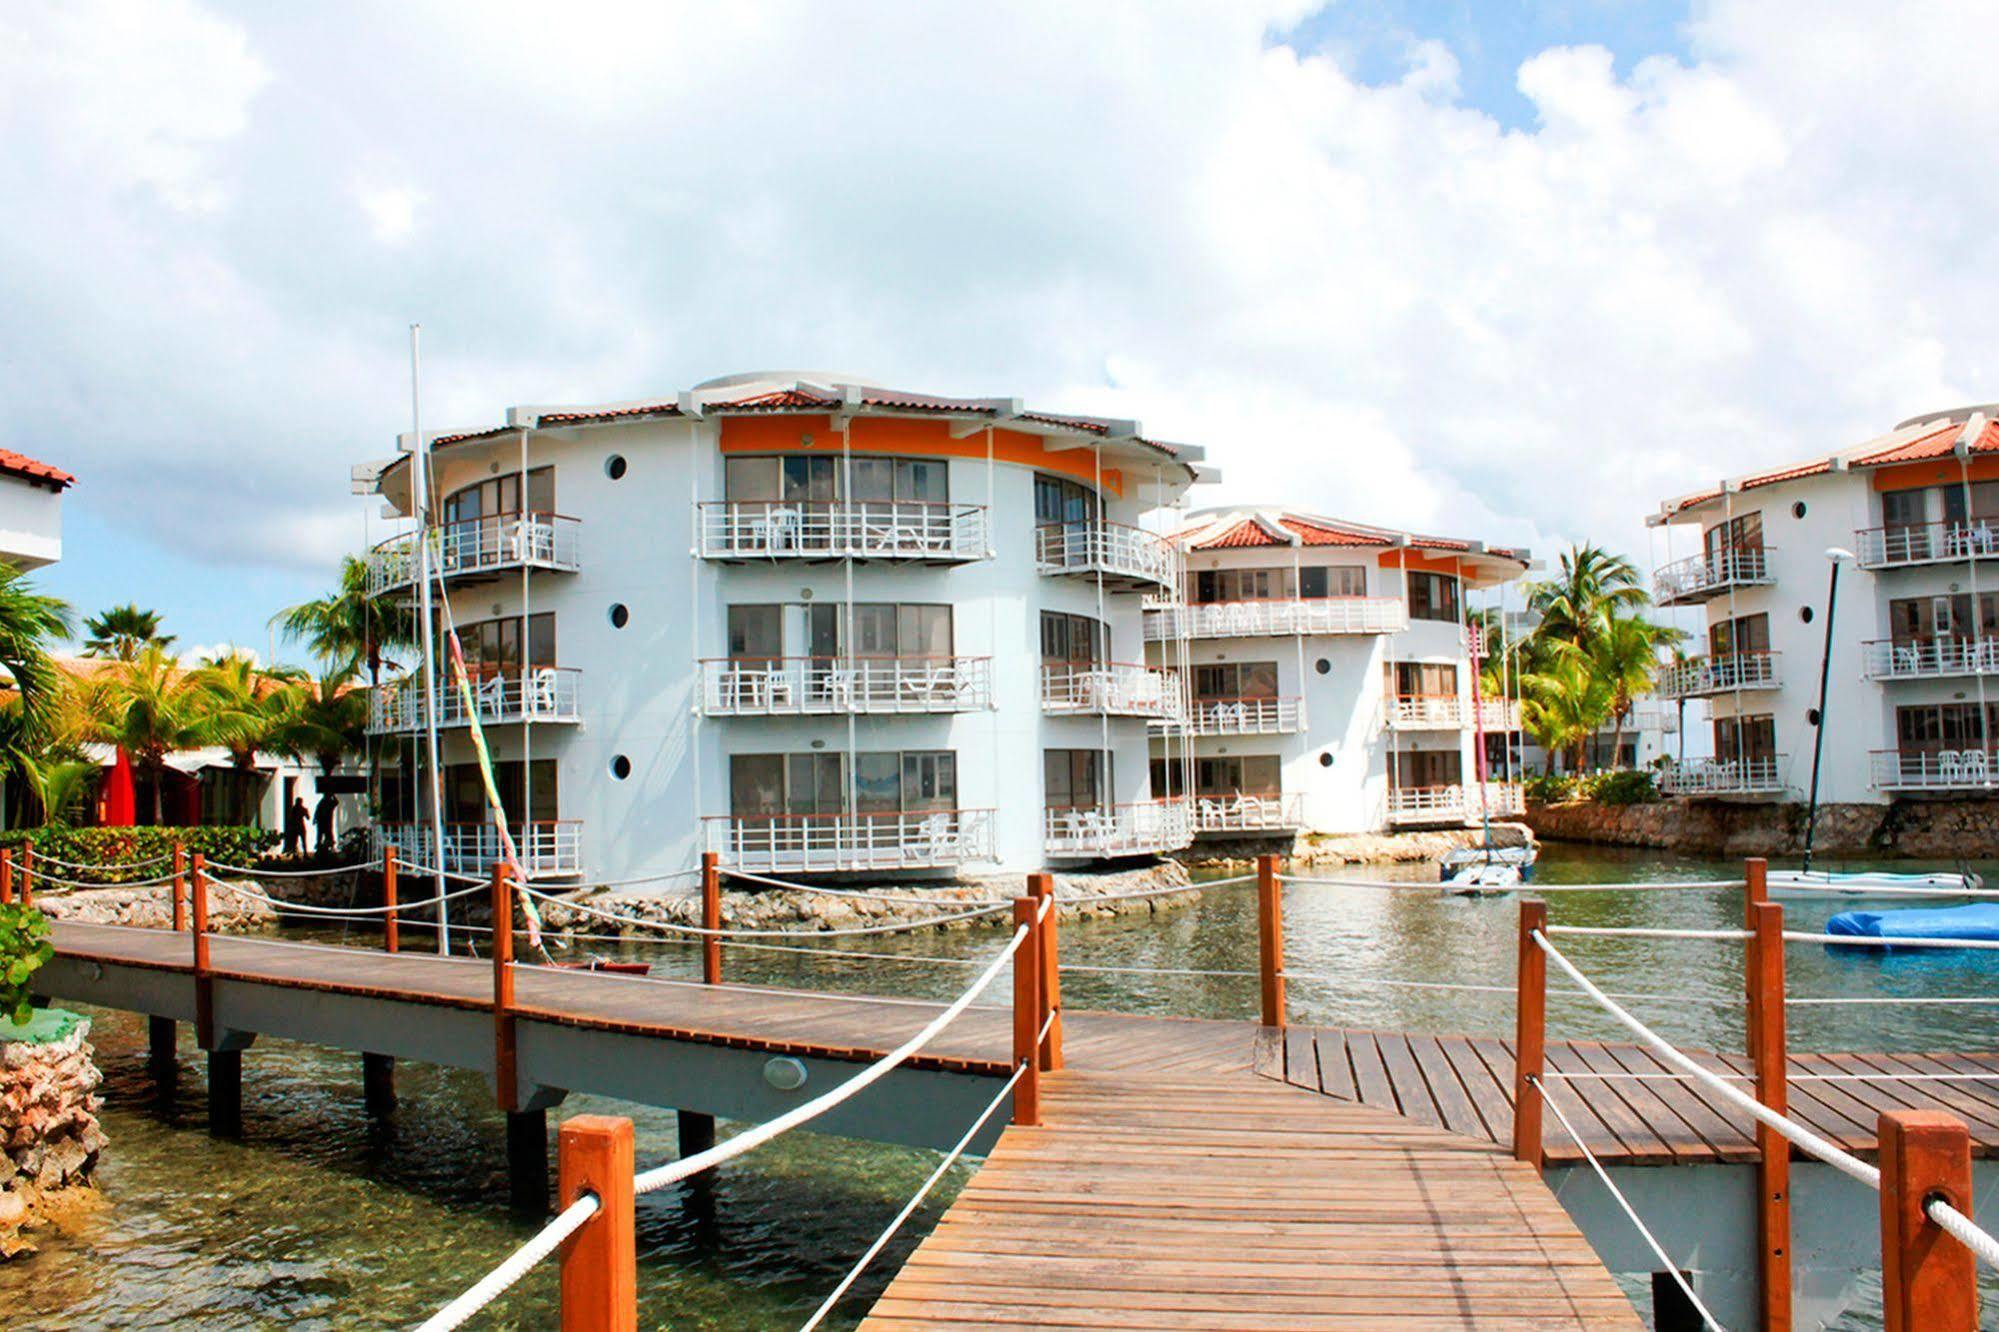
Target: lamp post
1835	556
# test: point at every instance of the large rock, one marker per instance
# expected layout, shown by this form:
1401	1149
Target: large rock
1932	829
49	1135
152	907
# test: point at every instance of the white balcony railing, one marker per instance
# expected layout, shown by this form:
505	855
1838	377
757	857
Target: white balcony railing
1928	543
1701	577
1248	716
1931	658
473	547
548	850
1699	677
829	843
1238	813
1496	715
1117	830
537	694
1455	802
1698	777
1936	770
1276	619
1127	554
1427	712
1651	715
1111	689
816	686
831	529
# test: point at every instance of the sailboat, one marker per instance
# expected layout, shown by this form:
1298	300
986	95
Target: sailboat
1484	870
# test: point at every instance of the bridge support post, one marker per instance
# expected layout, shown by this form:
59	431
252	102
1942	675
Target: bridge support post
1270	939
600	1261
1767	1048
378	1084
697	1133
1041	887
1027	1014
711	918
1929	1281
225	1093
527	1161
1530	1034
162	1040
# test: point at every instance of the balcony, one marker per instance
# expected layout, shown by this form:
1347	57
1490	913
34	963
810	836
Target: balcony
827	686
1936	770
1912	544
476	548
1496	715
922	532
1724	777
1238	813
551	849
1110	689
1127	559
1454	803
537	694
1428	712
1702	578
1931	658
1248	716
1702	677
1086	832
833	843
1277	619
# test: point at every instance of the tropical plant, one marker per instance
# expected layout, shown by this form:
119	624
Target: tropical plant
24	950
348	625
119	855
63	786
323	719
29	622
1591	587
1564	705
1624	656
242	705
150	708
123	633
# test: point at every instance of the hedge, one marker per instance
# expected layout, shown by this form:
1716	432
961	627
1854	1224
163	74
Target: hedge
122	853
1605	788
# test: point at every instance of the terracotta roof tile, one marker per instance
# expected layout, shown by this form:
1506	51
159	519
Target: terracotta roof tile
20	464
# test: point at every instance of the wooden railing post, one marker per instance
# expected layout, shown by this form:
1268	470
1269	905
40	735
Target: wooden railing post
1041	887
6	875
391	931
1929	1281
594	1154
27	874
1027	1014
504	1084
204	989
179	887
1530	1033
1767	1049
1270	939
711	918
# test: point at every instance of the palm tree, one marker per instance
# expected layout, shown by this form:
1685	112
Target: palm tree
242	704
1591	587
29	622
348	625
123	632
1624	658
1564	705
324	719
151	707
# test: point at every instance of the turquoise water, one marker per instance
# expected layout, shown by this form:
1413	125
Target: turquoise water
321	1218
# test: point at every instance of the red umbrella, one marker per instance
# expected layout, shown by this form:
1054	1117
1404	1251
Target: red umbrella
120	801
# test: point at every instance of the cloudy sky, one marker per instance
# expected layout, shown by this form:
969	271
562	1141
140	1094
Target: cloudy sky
1511	271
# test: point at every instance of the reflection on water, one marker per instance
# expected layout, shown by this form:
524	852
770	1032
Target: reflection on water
323	1218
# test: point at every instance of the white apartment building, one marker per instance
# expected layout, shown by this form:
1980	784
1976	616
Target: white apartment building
801	620
1914	661
1330	678
30	510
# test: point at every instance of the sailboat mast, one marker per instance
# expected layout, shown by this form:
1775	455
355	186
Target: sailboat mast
420	500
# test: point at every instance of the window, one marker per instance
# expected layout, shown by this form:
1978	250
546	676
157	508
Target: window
1429	767
1744	533
756	633
1060	500
1248	774
1934	727
1433	597
1915	619
1751	739
1073	638
767	632
1423	679
1905	508
493	647
465	792
1983	501
1337	580
500	496
1236	679
886	782
1745	635
900	480
1075	778
794	478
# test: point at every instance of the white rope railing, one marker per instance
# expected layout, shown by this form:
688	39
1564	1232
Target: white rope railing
309	908
293	874
40	879
1964	1230
1941	1000
899	927
1646	932
1536	888
904	899
1878	941
517	1265
45	858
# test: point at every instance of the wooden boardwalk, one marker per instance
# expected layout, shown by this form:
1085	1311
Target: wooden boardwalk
1465	1084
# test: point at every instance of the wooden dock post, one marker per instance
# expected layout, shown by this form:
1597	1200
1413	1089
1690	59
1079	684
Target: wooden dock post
6	875
1929	1281
600	1261
179	887
1027	1014
391	931
162	1040
1768	1052
1270	939
27	874
204	1007
1530	1034
711	918
225	1066
504	1085
378	1071
1041	887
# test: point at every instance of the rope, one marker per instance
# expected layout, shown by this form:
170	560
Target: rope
1649	932
309	909
1898	999
1876	941
1658	1249
676	928
495	1283
434	872
292	874
44	858
1961	1228
1535	889
1797	1133
909	1208
751	1139
789	887
42	880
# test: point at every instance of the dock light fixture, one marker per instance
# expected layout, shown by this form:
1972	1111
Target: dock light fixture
784	1073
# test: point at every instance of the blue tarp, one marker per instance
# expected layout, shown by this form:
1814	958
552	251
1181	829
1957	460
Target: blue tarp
1980	920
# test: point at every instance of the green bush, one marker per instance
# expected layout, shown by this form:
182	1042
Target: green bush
1622	788
1550	788
122	855
24	949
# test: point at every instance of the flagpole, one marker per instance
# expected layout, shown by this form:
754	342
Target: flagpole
421	502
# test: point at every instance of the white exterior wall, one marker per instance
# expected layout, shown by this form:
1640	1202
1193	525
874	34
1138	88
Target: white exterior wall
639	691
30	523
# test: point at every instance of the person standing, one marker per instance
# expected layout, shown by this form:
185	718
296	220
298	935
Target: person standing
322	821
295	827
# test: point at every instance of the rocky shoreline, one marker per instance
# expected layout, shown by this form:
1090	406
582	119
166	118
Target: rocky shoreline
1314	849
152	908
1958	829
49	1135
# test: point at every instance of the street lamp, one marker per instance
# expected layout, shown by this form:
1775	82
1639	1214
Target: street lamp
1835	556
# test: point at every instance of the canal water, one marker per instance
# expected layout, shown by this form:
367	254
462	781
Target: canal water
322	1218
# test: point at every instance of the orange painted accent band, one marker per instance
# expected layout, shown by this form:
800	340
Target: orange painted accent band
909	437
1933	472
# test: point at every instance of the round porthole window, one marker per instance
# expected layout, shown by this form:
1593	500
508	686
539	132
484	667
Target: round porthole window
621	767
621	615
614	467
1811	716
1798	509
1806	613
1326	760
1323	667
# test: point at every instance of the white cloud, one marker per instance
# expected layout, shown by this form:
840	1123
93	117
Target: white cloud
1372	300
